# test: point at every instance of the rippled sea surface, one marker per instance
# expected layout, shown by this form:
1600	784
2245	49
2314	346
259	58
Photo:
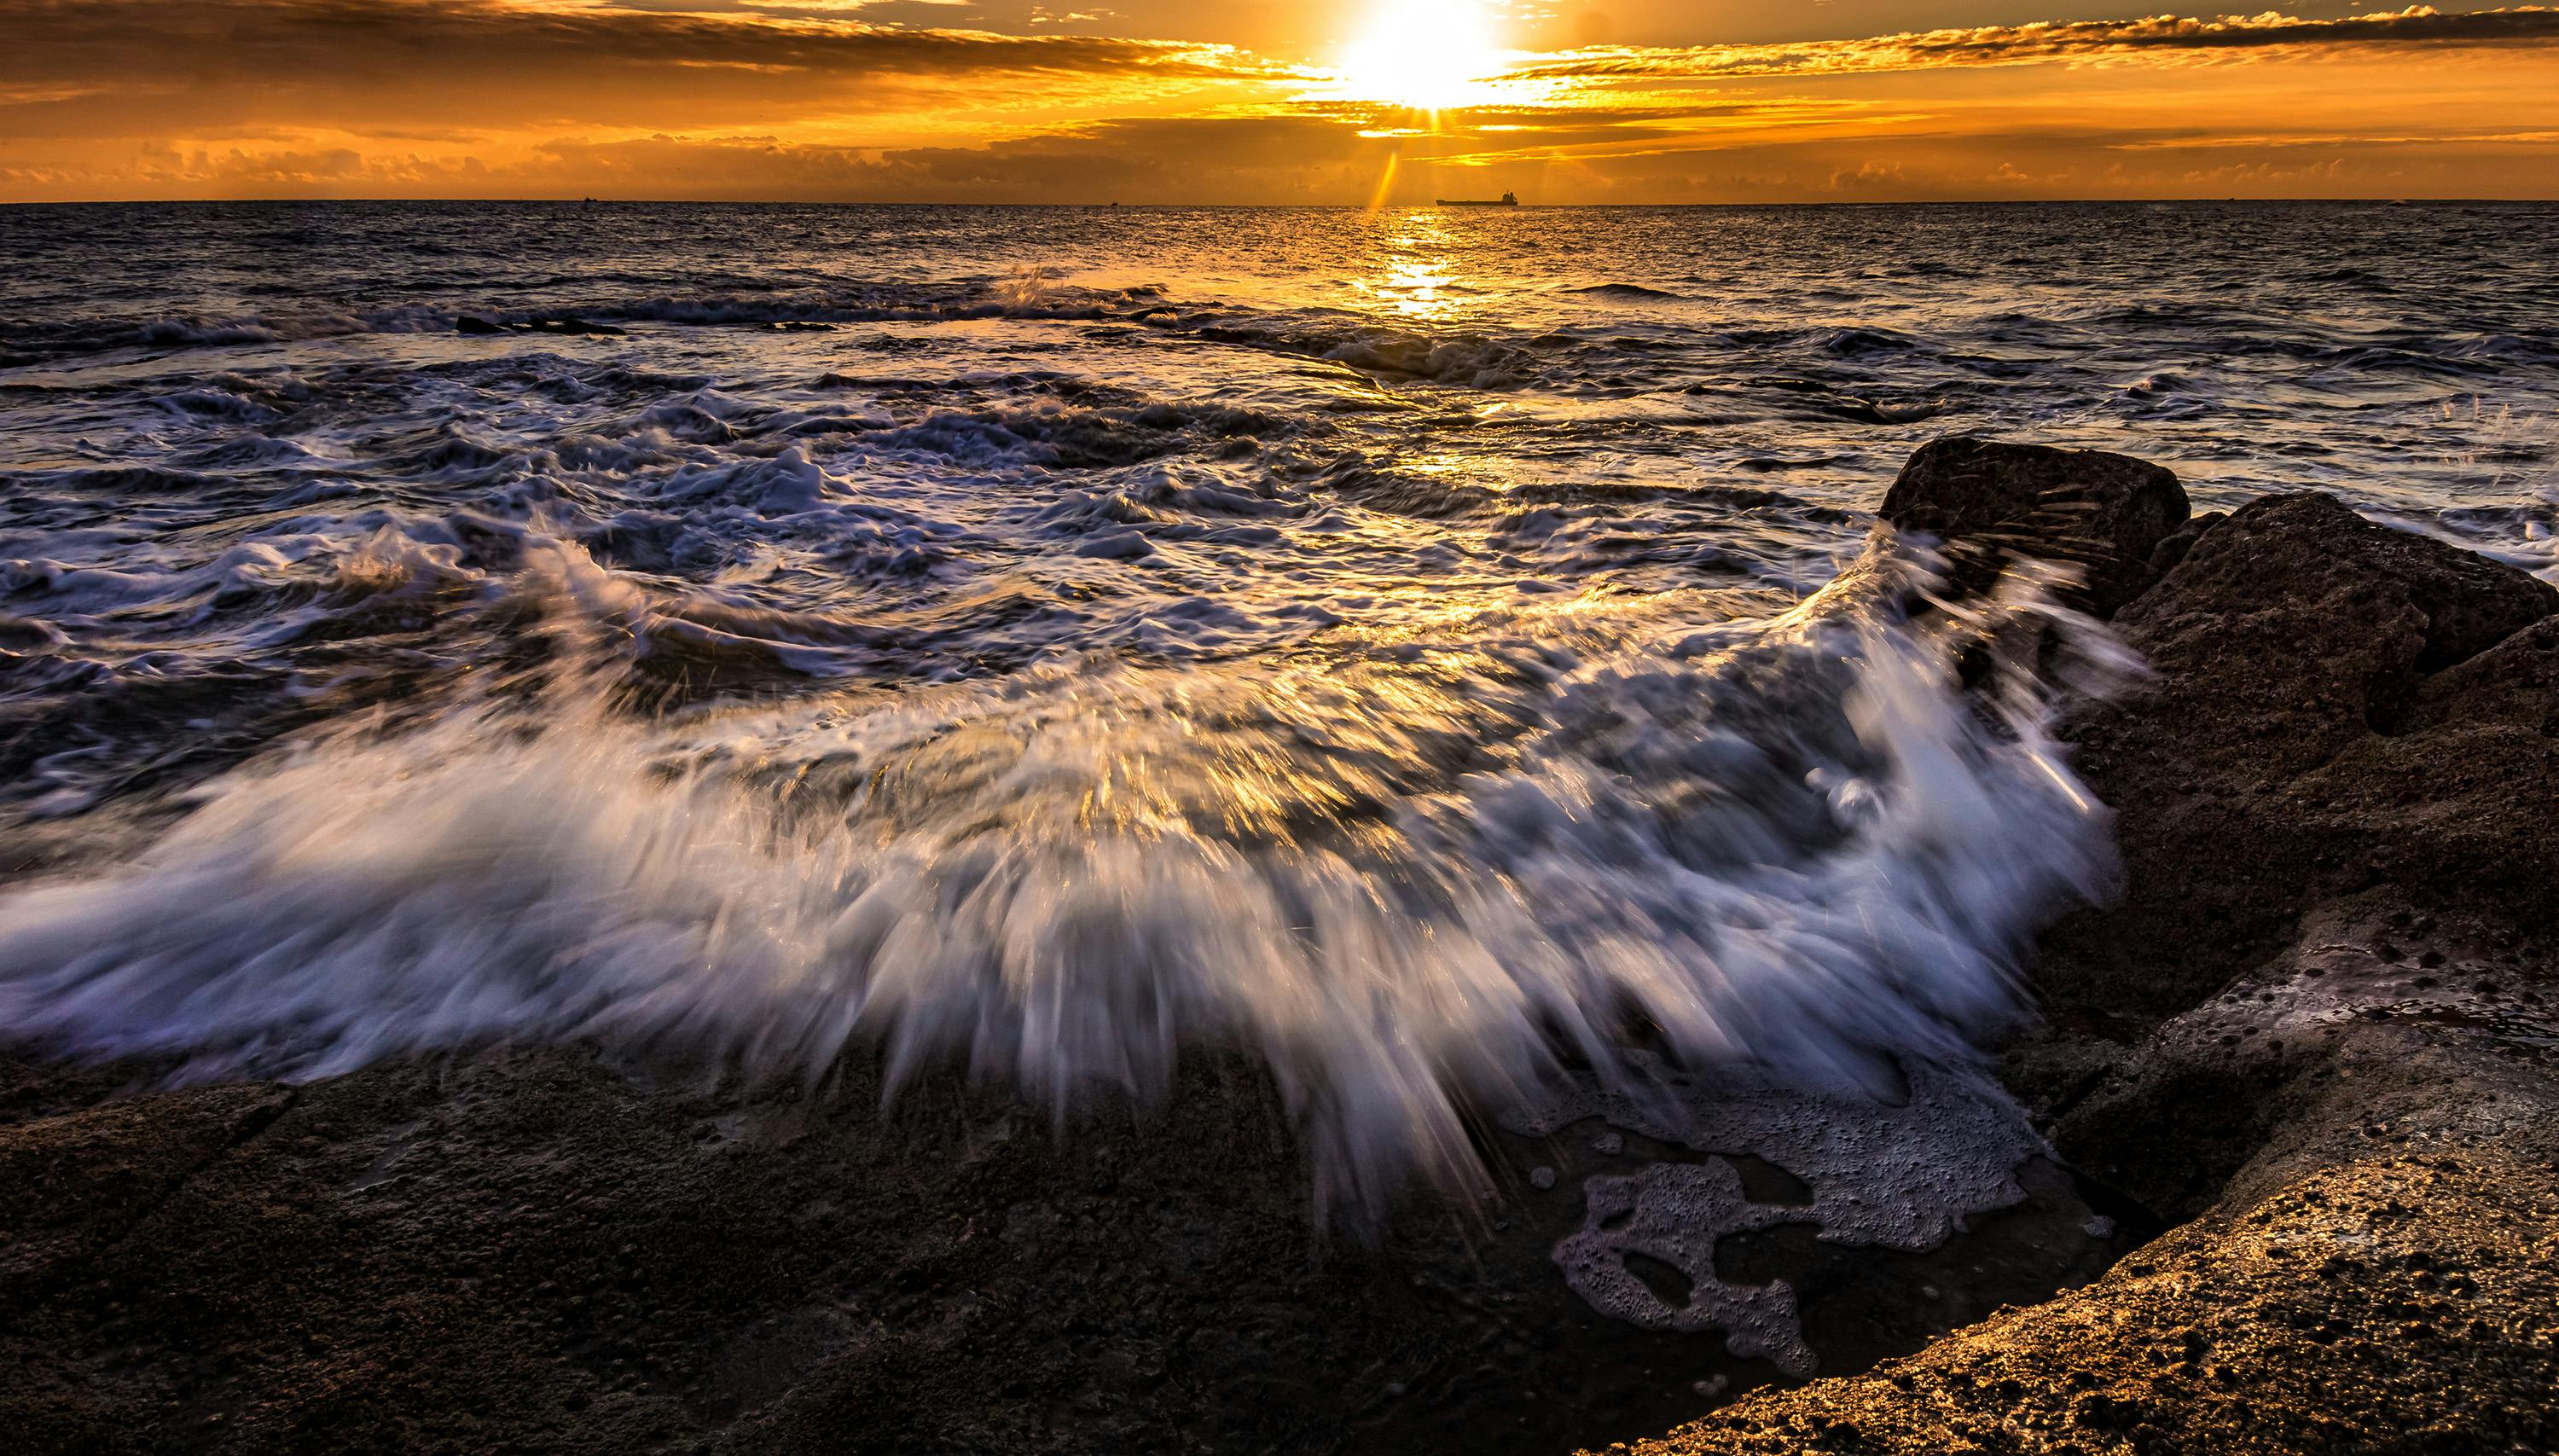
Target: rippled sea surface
1054	638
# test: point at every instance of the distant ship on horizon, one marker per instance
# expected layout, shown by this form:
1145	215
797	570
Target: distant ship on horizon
1508	199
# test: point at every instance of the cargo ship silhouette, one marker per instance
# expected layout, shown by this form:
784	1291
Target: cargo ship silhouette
1508	199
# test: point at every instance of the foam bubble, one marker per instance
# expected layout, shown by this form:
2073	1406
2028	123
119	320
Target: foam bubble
1900	1174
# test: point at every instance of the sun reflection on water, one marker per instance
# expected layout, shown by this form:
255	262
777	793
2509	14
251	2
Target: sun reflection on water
1419	277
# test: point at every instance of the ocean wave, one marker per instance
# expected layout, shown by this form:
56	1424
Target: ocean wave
600	315
1480	364
197	331
1623	290
1070	438
973	635
1411	882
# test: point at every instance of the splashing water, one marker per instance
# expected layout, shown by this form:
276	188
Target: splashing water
1420	868
1059	643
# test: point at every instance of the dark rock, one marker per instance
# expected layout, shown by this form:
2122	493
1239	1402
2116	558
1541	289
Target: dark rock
2333	707
572	323
2284	551
476	325
2182	540
2343	774
2107	514
2230	1332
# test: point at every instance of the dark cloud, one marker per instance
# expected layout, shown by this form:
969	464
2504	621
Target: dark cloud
2068	40
91	67
57	40
1253	159
1249	159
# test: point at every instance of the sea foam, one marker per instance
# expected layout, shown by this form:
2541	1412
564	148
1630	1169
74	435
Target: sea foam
1416	874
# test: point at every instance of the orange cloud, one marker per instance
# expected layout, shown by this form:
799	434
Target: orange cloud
2156	37
120	99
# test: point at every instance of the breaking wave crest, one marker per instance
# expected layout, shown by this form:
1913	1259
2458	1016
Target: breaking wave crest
1413	871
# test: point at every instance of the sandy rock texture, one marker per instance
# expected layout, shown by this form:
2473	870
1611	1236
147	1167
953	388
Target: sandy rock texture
2338	706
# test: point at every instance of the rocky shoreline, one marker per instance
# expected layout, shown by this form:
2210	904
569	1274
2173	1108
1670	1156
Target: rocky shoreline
2321	1029
2315	1040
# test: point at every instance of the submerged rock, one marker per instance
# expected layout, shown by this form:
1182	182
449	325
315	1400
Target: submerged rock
540	1250
572	323
566	324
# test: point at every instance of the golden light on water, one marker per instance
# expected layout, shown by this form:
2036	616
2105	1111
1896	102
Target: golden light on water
1430	54
1415	278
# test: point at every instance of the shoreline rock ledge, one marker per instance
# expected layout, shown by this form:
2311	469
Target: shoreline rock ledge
2318	1031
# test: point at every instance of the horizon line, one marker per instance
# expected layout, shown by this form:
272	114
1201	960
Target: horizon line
1106	206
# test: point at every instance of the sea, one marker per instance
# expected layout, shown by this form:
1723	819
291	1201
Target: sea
1057	642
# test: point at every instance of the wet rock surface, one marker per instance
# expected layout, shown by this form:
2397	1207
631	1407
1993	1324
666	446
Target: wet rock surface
2318	1031
540	1250
1991	501
1906	1174
2368	1152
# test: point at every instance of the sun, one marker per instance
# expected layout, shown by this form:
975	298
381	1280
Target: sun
1426	53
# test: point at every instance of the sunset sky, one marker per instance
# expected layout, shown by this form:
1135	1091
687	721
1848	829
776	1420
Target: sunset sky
1269	101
